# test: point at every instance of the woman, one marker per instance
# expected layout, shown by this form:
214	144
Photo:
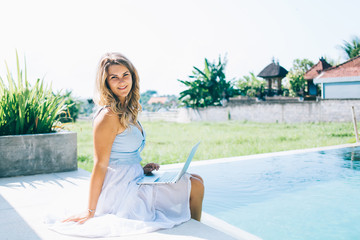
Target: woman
117	205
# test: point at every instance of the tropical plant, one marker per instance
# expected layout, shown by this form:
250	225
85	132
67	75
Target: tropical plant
25	109
251	86
296	76
209	86
352	48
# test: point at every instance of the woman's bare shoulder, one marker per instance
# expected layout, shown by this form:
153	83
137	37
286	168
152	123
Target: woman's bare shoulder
107	120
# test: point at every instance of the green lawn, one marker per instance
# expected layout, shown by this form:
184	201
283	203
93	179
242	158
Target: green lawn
170	142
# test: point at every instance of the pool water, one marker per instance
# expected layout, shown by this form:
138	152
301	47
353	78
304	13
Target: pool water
313	195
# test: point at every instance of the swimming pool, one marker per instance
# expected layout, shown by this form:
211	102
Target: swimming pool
311	195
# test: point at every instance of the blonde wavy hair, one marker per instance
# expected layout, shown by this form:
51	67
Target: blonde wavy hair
105	97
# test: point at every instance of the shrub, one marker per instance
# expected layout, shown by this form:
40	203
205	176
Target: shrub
25	109
251	86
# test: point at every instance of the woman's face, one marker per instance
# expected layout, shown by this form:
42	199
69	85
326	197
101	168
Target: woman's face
119	80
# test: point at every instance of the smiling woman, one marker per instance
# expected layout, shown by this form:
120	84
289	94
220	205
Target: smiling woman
117	205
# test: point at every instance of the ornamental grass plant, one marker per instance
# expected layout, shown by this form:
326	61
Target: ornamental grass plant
26	109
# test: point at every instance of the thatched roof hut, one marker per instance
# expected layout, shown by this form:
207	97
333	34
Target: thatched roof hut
273	73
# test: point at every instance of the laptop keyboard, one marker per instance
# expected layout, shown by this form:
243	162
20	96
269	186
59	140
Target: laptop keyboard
167	177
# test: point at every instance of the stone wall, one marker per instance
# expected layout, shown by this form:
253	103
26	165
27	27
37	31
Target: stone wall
170	116
288	110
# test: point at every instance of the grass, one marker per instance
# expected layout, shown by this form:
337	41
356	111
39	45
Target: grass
170	142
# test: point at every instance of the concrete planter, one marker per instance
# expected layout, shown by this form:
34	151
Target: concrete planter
37	153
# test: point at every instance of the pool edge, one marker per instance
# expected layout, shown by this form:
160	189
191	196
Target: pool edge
260	155
227	228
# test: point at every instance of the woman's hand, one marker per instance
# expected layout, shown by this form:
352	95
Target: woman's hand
80	218
151	167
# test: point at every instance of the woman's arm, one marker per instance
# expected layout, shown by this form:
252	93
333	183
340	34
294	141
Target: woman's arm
106	126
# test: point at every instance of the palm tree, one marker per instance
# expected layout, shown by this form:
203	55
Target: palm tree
352	48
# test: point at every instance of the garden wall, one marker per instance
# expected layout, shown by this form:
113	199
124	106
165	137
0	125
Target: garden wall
289	111
169	116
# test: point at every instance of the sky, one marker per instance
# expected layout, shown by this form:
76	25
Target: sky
63	41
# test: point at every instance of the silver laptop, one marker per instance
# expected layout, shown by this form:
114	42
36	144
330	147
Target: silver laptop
168	177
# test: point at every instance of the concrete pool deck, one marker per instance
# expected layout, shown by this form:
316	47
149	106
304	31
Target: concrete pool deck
25	200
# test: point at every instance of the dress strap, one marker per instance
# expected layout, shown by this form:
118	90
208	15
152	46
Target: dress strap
98	111
142	129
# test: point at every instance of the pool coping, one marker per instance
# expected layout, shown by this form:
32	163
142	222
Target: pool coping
256	156
227	228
